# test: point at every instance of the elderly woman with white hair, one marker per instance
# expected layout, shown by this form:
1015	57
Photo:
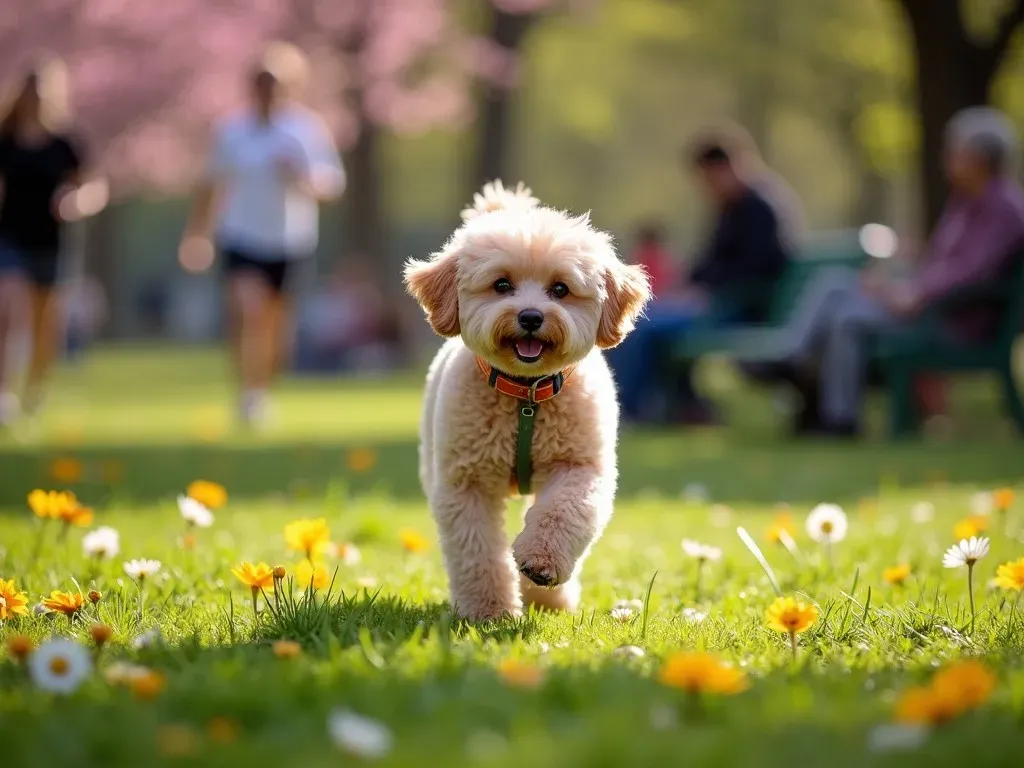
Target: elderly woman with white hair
977	238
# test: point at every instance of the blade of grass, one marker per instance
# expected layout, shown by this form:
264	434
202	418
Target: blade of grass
756	552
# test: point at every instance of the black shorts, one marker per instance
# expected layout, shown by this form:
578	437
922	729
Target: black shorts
40	267
274	270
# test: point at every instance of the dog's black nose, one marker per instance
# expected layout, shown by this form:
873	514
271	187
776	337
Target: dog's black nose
531	320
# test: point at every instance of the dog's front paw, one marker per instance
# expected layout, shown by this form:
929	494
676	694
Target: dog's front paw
541	565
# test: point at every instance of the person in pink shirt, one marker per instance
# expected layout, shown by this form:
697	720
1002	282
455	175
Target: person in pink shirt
652	254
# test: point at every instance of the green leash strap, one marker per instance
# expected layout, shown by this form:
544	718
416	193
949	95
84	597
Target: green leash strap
524	445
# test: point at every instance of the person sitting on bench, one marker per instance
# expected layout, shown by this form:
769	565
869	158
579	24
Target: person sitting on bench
976	239
744	250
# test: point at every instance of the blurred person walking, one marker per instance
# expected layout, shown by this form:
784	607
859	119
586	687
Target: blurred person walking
43	187
268	169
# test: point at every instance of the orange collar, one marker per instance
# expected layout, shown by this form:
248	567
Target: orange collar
537	391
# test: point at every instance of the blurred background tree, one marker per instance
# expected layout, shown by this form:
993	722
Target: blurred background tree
589	101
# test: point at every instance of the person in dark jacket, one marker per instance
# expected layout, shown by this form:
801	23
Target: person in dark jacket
731	281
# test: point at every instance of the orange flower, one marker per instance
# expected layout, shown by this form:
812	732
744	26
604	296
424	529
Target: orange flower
413	541
100	634
1002	499
20	646
924	705
286	649
969	682
147	684
702	673
76	515
897	574
520	675
12	602
970	527
66	470
362	460
210	495
68	603
787	614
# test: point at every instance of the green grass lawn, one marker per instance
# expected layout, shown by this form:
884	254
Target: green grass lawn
129	430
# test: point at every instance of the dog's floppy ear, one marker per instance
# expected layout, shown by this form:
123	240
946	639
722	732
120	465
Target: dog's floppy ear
629	289
432	284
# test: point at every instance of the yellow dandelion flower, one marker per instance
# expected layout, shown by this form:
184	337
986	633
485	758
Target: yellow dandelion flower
307	535
75	514
1002	499
256	577
12	602
924	705
286	649
211	495
1011	575
413	541
46	504
701	673
66	470
68	603
969	682
970	527
305	572
147	684
520	675
783	523
362	460
897	574
792	616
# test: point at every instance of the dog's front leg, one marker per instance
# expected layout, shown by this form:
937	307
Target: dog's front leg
481	573
569	513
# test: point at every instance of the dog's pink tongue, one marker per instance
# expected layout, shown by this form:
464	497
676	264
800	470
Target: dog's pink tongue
529	347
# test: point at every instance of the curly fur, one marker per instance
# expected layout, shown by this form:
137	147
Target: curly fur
468	430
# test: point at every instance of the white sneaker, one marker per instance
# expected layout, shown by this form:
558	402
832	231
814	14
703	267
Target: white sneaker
254	409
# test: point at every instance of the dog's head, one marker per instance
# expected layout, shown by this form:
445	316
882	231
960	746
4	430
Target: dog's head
530	289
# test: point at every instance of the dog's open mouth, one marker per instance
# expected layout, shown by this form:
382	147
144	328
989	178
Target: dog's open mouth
528	349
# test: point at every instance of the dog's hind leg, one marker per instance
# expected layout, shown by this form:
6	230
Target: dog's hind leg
481	573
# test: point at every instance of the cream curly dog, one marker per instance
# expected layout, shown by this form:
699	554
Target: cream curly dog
520	399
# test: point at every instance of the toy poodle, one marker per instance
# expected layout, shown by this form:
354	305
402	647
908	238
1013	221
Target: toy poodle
520	400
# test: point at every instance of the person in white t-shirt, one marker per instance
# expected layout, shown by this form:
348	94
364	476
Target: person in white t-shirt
269	167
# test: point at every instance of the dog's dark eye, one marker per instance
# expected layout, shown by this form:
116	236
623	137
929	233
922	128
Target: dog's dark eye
559	290
504	285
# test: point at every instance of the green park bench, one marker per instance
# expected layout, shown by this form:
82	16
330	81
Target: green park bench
897	358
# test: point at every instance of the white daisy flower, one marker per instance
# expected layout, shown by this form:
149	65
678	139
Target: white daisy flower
827	523
59	666
894	738
121	672
194	513
923	512
358	735
141	569
103	542
967	552
147	639
629	652
982	503
702	552
622	614
633	605
693	615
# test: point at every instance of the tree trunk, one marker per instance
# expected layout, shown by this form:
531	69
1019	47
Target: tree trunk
953	73
508	31
366	232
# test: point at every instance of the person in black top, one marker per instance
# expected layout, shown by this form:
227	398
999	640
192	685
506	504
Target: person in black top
729	282
41	185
